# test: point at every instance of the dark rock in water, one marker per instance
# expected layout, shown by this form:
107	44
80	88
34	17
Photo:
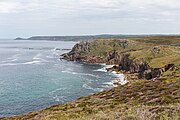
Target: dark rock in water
30	48
66	49
114	68
57	49
19	38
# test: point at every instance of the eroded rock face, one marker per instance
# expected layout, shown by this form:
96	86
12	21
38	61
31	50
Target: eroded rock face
157	72
132	65
77	52
113	58
139	68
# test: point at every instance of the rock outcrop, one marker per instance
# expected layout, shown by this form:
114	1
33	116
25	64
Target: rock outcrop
157	72
78	52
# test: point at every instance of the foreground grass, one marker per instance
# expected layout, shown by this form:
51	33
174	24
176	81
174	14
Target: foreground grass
145	100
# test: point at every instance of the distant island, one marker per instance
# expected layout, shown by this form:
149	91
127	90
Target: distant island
85	38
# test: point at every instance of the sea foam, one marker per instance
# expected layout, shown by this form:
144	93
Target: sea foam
82	74
32	62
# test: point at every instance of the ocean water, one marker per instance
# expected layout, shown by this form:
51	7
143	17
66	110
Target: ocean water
32	76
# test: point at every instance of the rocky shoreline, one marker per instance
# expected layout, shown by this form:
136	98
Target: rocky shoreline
134	69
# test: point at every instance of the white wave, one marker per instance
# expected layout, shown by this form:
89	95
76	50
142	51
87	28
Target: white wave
102	64
26	63
109	83
58	99
89	75
109	66
49	57
37	57
10	60
83	74
87	87
74	73
120	78
101	70
13	60
4	61
114	72
90	88
106	86
32	62
8	64
54	91
104	68
16	56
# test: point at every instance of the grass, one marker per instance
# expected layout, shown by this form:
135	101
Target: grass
158	56
158	40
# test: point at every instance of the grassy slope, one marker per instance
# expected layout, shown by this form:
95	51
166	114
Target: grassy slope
138	100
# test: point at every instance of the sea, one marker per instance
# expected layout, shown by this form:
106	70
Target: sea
33	77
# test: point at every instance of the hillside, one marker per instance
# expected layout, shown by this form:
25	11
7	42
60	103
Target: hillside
145	100
78	38
152	67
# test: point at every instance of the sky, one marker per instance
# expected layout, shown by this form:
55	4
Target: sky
25	18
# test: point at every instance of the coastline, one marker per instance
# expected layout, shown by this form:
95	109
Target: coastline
152	98
121	78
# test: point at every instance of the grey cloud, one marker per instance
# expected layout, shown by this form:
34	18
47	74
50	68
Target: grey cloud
79	15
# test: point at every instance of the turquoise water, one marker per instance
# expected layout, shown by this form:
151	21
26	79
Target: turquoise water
32	77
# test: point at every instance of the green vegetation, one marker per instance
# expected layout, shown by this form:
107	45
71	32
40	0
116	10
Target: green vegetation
159	56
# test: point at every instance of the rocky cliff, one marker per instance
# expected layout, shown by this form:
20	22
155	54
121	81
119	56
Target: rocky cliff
80	52
127	56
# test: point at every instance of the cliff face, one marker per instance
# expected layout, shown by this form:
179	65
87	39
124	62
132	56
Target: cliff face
131	65
77	52
125	63
139	67
80	52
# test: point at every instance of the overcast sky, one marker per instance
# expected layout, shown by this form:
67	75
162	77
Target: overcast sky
81	17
